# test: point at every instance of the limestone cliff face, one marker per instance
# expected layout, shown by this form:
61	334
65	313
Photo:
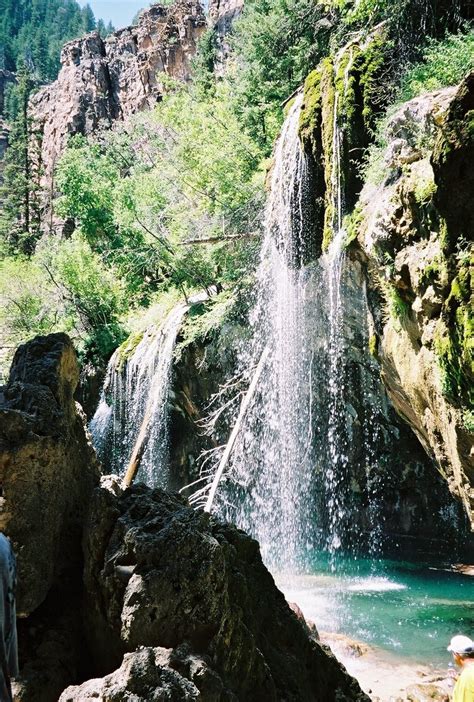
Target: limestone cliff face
48	468
104	80
415	228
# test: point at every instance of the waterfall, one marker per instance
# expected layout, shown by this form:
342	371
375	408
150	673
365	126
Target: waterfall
289	481
136	390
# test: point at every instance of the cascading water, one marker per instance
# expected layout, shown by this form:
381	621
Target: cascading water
288	481
134	400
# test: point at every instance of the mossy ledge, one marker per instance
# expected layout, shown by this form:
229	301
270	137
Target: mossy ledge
352	77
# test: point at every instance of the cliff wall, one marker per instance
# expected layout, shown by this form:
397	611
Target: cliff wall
103	80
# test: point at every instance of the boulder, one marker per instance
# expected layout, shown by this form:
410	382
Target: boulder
159	574
48	467
152	674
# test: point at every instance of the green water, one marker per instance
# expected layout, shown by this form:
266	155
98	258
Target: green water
409	610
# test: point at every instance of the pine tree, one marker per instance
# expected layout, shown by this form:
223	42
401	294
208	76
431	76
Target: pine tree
19	216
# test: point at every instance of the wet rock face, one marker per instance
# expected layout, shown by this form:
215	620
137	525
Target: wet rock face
452	160
48	468
160	574
415	233
105	80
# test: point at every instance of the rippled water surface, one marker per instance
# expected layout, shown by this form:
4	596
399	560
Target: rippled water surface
406	609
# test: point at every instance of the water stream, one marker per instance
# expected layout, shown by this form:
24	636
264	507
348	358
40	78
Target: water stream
136	390
289	479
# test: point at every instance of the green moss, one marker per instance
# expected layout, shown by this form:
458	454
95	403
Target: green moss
396	307
127	349
424	190
371	66
352	225
454	343
431	273
205	319
310	116
373	345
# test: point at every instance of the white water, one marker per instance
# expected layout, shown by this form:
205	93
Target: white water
134	388
289	481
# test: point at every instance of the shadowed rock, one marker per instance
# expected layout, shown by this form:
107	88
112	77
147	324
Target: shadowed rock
161	574
48	468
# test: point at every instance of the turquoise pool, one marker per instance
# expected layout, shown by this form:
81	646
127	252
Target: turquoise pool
410	610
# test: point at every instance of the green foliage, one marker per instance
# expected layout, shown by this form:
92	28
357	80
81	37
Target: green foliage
275	45
352	225
91	292
34	31
468	420
204	62
445	62
29	302
205	319
19	214
396	307
146	196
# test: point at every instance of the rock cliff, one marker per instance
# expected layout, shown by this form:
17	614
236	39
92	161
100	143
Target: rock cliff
48	468
222	14
416	226
412	225
103	80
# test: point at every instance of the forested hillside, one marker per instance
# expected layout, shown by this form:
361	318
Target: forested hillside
32	32
202	151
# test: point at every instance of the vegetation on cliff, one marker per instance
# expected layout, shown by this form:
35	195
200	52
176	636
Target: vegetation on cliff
172	200
32	33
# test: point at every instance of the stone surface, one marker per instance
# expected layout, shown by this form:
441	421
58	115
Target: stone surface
222	14
150	674
103	80
160	574
410	235
48	468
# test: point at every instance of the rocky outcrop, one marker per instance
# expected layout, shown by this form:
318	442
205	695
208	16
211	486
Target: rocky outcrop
159	574
154	674
102	80
415	225
6	78
48	468
222	14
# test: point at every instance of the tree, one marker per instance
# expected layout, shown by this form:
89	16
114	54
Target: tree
19	215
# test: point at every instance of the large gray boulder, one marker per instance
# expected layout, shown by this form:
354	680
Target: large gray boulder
159	574
48	467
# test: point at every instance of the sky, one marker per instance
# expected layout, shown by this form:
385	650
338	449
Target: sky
120	12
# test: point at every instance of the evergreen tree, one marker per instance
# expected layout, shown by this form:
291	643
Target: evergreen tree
19	212
35	30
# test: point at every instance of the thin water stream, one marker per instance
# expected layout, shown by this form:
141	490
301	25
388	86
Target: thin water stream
136	390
